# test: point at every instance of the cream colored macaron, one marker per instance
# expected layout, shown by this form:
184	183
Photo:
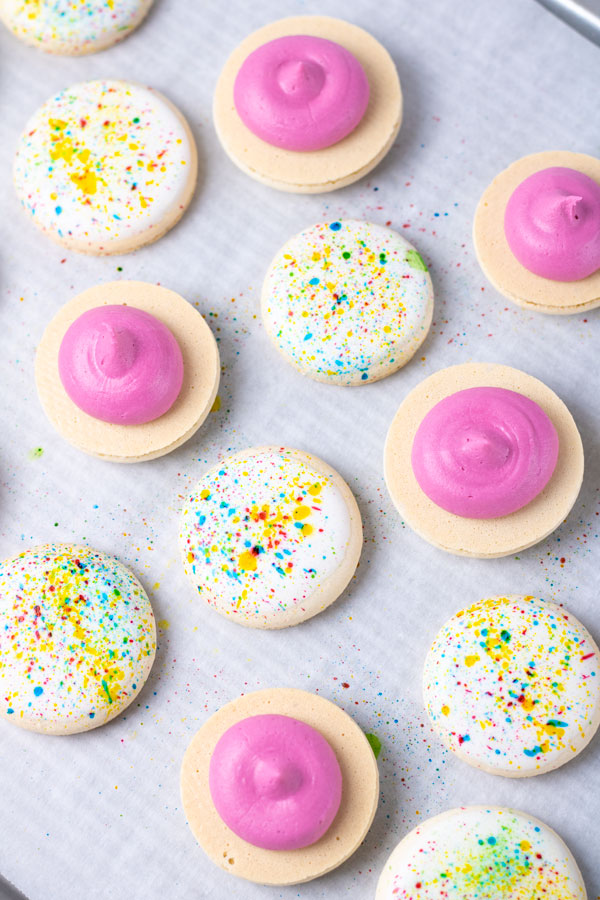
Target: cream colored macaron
489	853
270	536
77	638
71	28
106	167
360	790
132	443
482	537
335	166
512	685
497	260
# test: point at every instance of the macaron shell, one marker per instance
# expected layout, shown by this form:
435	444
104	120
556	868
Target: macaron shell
496	259
384	320
335	166
118	212
487	685
69	29
66	668
481	852
484	538
133	443
322	564
360	790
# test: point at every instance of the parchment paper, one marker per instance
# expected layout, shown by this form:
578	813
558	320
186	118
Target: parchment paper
98	815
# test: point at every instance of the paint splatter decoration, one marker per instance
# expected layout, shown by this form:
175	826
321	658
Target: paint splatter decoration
512	685
72	28
480	852
347	302
77	638
270	537
105	166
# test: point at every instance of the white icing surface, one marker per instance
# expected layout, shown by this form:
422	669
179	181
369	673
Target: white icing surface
77	638
512	684
347	301
72	26
262	533
103	162
483	853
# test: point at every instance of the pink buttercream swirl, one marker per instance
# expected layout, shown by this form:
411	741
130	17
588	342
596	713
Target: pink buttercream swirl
484	452
275	781
301	93
552	224
121	365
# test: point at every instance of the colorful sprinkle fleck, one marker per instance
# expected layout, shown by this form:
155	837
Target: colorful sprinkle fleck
482	853
511	684
105	164
77	638
375	744
263	532
346	302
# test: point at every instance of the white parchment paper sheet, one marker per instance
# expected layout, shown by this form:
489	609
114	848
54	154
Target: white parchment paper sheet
99	815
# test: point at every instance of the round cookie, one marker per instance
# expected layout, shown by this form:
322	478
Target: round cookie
512	685
77	638
347	302
105	167
498	262
132	443
492	537
72	29
360	790
334	166
489	853
270	536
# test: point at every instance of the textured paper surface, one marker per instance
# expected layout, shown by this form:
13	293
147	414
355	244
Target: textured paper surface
99	814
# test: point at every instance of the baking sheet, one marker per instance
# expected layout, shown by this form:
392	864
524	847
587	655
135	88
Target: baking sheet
99	814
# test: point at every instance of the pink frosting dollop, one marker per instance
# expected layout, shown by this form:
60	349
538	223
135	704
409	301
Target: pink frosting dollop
484	452
301	93
275	781
552	224
121	365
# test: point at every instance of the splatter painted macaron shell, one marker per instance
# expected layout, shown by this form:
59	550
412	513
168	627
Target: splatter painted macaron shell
77	638
72	29
270	537
347	302
106	166
488	853
512	685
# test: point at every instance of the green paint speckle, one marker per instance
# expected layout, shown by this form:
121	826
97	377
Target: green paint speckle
36	453
375	744
106	691
415	260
